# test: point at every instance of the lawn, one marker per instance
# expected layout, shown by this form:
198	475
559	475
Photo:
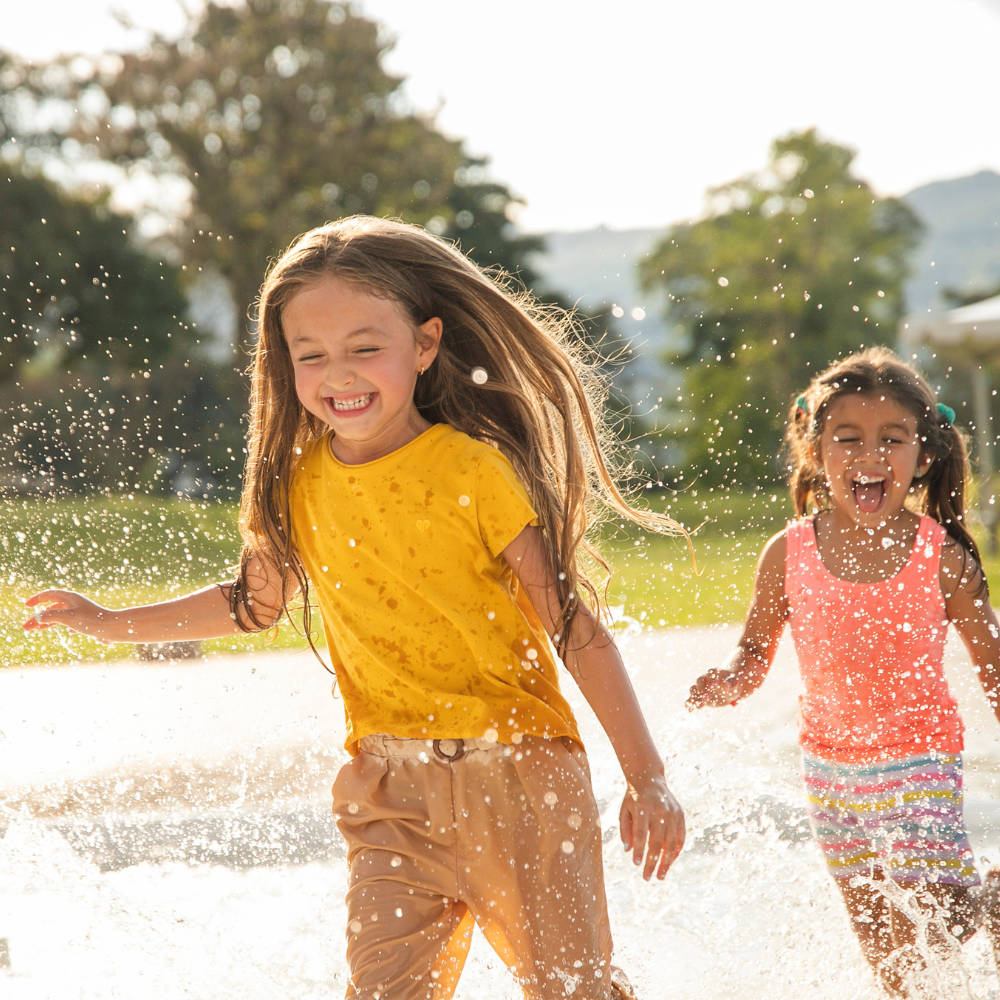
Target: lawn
131	549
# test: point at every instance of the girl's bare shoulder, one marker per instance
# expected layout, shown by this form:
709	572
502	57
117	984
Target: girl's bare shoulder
775	548
959	570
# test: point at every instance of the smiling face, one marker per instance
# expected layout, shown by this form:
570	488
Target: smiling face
356	359
870	451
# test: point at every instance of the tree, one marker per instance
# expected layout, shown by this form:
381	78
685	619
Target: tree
75	285
479	209
792	266
99	389
281	116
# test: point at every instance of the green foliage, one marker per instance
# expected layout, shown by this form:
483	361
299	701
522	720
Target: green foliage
75	286
282	117
793	266
98	389
480	224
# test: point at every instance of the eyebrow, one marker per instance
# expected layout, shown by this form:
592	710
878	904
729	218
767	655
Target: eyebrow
360	332
885	427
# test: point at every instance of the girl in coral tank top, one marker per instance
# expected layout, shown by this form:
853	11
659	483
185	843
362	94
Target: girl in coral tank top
869	582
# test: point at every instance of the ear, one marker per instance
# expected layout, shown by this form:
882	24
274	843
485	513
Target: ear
926	461
428	338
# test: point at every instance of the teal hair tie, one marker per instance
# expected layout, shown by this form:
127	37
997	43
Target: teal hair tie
947	412
801	404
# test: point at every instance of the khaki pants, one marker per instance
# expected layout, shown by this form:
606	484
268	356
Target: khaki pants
444	833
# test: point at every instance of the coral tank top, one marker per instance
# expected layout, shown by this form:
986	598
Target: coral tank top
870	654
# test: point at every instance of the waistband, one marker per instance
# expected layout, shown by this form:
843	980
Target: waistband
383	745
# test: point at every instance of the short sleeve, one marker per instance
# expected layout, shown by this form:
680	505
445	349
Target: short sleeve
502	503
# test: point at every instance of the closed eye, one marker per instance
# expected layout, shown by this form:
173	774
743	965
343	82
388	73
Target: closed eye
310	357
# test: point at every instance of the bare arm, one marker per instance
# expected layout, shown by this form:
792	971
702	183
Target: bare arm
649	811
748	666
204	614
968	607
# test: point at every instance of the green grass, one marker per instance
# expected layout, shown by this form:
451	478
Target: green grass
120	551
129	550
654	578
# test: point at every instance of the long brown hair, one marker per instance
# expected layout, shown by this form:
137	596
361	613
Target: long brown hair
939	493
542	405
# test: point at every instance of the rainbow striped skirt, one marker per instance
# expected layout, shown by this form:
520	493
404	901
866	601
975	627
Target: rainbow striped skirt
903	816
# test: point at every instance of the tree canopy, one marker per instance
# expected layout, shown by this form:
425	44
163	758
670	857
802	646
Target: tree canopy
281	116
791	267
273	116
75	285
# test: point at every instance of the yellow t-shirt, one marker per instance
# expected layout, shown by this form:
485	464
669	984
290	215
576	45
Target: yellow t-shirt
430	634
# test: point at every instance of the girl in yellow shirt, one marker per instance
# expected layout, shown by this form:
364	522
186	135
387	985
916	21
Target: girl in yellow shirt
424	452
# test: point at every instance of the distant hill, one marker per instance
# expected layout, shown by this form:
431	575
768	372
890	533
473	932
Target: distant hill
962	247
597	267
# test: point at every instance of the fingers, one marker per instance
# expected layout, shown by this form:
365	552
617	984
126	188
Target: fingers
653	828
60	610
639	838
625	825
657	838
713	689
676	831
55	598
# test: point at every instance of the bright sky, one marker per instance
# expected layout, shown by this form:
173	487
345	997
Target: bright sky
623	113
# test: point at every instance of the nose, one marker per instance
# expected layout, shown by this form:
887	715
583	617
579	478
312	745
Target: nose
875	450
339	376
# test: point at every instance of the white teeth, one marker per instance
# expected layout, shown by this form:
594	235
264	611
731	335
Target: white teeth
352	404
864	480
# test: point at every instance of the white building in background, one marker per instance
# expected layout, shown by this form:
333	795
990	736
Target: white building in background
970	338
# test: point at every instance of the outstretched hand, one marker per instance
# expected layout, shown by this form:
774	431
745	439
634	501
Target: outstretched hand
715	688
76	612
651	822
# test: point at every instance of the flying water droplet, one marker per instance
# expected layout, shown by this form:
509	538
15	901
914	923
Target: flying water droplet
480	376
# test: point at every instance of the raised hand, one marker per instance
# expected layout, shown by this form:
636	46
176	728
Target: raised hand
715	688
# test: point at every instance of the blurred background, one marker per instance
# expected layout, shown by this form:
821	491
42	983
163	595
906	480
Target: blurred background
729	195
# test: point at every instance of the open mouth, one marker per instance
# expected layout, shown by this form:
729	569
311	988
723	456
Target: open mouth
352	404
869	492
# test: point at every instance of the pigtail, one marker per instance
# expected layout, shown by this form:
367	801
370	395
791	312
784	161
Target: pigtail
805	481
944	488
